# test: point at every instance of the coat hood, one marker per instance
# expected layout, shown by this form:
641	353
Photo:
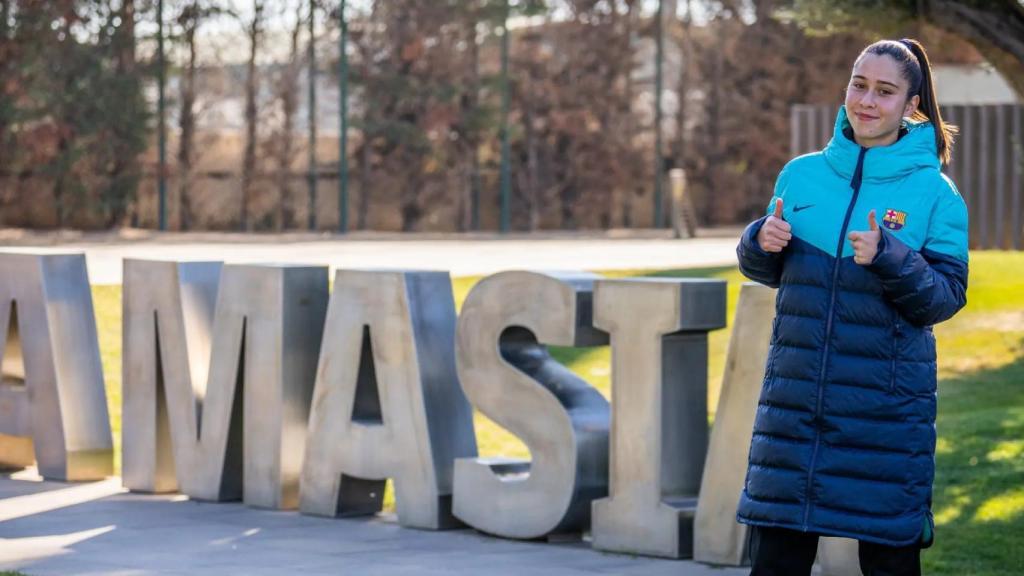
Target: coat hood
914	151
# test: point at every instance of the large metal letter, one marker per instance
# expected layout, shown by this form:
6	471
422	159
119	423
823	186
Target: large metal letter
387	403
53	407
508	375
719	538
659	332
182	430
168	322
838	557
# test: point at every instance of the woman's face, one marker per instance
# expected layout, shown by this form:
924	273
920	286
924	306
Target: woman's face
876	100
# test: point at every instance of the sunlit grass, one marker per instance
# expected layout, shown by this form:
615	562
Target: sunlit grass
107	305
1002	508
996	281
978	496
1008	450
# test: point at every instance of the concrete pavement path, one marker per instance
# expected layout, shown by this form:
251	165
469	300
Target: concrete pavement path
461	255
96	528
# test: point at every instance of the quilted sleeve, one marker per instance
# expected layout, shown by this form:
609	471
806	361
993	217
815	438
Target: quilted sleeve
755	263
929	286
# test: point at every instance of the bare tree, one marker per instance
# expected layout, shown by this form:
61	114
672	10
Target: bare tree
684	38
7	61
469	106
364	41
255	30
287	94
189	19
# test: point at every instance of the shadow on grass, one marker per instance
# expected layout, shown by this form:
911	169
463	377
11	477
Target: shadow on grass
978	497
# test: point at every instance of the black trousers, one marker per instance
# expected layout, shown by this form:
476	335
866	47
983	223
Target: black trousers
782	552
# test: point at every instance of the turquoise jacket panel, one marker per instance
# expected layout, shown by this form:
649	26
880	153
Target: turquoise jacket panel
902	182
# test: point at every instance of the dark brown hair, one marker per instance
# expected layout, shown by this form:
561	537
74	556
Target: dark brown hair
909	54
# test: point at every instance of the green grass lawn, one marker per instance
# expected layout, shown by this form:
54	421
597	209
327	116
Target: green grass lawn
979	484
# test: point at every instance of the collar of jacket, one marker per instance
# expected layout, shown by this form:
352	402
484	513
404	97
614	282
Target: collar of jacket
912	152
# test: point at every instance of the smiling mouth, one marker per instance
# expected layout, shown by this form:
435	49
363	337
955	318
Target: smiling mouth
865	117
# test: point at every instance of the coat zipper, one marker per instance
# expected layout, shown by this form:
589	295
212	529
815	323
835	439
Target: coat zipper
895	353
855	182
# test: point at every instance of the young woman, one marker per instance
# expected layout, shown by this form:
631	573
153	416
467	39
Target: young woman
867	243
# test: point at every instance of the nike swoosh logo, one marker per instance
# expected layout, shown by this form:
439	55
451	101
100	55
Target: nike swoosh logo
799	208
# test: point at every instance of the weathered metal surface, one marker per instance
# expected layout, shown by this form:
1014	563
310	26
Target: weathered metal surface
507	373
659	329
838	557
387	403
53	406
202	421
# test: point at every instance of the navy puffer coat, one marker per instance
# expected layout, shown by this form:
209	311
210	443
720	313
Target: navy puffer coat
844	437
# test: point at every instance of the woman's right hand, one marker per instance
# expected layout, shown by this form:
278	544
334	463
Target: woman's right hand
775	233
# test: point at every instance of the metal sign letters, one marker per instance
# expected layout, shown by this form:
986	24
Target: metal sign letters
255	383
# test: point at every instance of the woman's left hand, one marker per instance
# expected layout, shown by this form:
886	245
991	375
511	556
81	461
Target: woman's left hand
865	244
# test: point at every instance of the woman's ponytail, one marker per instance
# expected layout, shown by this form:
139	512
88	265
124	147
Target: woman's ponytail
928	108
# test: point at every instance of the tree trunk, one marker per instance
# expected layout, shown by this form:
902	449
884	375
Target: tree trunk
249	160
714	113
287	92
6	59
412	189
532	170
612	112
468	200
125	163
567	193
366	143
406	50
65	141
312	162
5	17
364	171
59	188
686	51
629	124
187	121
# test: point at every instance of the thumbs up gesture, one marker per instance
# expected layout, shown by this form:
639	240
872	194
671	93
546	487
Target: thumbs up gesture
775	233
865	244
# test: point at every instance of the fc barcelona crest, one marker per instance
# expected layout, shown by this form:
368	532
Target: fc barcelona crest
894	219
